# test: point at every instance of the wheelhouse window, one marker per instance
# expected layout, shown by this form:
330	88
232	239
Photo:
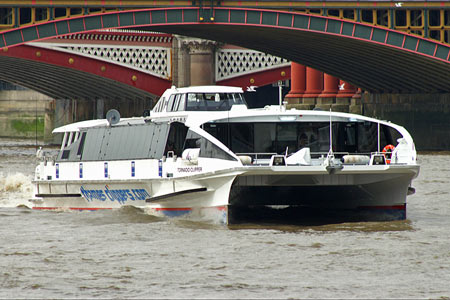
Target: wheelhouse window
177	103
171	102
181	103
213	101
159	106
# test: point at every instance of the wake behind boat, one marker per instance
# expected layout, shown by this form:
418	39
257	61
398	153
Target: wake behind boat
203	154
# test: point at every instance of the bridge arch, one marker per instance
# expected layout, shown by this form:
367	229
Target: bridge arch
67	75
375	59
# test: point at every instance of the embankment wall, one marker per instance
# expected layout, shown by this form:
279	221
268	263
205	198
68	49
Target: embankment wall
22	112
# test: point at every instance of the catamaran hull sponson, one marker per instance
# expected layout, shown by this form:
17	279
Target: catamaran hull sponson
203	197
378	195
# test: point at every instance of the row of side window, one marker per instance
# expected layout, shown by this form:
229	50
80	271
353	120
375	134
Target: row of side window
176	102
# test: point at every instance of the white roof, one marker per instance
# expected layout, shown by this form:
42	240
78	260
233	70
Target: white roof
75	127
206	89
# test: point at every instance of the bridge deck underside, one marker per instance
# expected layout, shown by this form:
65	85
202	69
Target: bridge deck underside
61	83
374	67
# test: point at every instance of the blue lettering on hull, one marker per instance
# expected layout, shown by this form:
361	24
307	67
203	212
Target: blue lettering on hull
119	195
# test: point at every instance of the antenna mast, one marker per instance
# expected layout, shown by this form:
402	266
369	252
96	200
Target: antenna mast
378	136
280	93
330	152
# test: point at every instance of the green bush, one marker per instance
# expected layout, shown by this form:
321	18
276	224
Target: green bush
28	126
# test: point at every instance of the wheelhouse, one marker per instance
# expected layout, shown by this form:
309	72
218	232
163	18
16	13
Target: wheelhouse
200	99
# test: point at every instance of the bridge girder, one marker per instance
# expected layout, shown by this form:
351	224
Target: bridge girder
62	75
63	83
375	59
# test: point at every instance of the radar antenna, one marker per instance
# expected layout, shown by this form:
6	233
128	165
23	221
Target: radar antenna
113	117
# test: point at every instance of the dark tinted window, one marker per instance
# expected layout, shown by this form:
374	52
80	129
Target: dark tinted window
65	154
367	137
242	137
277	137
80	148
271	137
120	142
176	138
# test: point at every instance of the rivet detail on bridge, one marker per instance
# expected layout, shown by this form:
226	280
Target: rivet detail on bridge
283	73
38	53
252	80
103	68
71	60
134	77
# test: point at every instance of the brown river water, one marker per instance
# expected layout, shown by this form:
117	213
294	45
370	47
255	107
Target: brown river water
127	254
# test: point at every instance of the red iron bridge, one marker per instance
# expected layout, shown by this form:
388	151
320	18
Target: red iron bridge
335	52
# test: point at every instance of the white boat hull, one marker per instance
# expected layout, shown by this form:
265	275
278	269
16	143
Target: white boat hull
242	194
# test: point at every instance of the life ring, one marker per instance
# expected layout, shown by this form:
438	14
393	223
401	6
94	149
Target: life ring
387	150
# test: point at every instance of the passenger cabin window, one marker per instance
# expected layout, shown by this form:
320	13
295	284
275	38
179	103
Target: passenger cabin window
65	154
80	148
176	138
279	137
119	143
70	145
207	148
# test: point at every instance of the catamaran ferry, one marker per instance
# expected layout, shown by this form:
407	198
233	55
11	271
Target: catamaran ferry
201	153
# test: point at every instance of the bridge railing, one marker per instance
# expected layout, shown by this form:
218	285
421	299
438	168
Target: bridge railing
426	19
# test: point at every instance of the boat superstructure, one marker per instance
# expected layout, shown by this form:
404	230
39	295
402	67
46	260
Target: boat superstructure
202	153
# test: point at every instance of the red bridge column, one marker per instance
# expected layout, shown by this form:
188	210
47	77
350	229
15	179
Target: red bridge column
331	86
298	83
314	86
314	83
329	93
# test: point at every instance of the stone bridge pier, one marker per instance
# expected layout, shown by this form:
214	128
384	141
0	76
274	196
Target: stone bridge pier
193	61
